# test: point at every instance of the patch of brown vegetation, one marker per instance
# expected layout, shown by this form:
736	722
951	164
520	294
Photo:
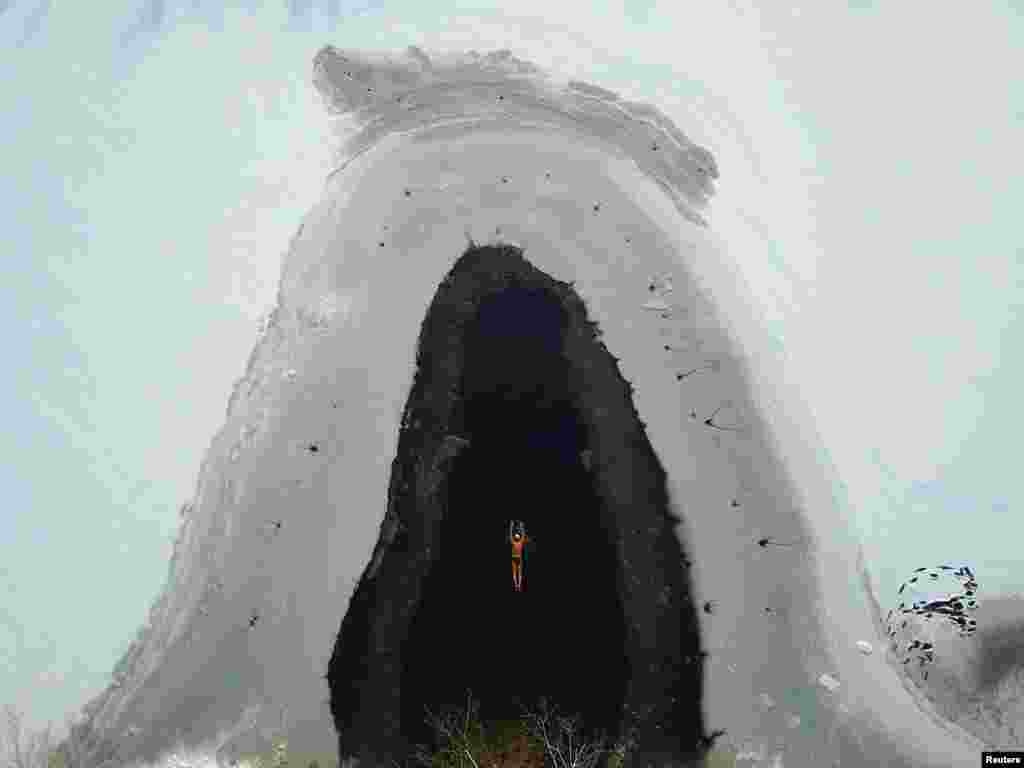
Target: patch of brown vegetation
511	746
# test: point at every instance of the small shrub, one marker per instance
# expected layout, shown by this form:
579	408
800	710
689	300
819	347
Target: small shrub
537	740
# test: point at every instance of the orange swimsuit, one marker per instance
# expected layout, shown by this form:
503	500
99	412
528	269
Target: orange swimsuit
517	548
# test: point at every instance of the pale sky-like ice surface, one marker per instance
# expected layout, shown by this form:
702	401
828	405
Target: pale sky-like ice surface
868	172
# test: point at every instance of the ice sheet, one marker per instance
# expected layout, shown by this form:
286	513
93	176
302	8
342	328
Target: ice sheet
597	191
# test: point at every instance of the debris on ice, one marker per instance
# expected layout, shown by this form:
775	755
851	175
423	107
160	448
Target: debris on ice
266	321
829	682
942	596
751	754
865	647
657	304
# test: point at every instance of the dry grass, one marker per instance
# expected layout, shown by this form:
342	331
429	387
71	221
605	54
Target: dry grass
542	739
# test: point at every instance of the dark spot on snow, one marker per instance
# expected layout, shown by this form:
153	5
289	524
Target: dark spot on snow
714	737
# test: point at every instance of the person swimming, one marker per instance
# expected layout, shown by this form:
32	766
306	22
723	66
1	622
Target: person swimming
518	539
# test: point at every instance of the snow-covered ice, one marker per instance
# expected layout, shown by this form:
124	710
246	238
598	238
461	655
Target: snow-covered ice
783	613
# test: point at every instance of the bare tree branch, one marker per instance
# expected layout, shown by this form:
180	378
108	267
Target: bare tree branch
20	749
13	747
562	740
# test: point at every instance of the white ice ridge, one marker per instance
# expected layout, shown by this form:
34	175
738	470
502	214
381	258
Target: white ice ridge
395	94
